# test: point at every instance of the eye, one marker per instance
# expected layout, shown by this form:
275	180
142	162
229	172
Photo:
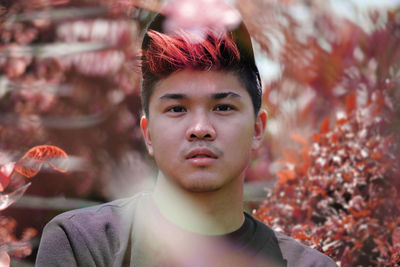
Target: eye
176	109
224	108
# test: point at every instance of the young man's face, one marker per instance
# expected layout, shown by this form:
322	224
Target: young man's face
201	129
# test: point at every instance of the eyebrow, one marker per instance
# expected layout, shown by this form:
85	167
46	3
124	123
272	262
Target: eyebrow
213	96
174	96
224	95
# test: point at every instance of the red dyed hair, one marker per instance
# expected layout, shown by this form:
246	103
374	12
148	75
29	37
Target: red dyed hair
167	53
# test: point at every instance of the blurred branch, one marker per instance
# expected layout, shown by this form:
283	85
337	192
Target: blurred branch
57	122
40	87
257	191
58	14
52	50
54	203
19	245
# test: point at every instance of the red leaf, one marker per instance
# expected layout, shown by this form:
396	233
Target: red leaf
325	125
358	244
396	238
334	138
358	214
301	236
28	167
33	160
305	154
29	234
341	121
347	177
346	258
351	102
316	138
299	139
376	156
4	258
5	173
291	155
285	175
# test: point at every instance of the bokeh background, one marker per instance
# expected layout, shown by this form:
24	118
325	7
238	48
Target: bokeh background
327	173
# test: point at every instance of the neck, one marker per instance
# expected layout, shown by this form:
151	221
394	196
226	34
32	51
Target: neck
210	213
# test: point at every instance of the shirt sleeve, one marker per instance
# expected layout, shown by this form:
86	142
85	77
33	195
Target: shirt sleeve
298	254
55	248
87	237
97	236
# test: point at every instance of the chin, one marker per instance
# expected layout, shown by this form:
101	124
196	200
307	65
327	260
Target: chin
202	189
202	186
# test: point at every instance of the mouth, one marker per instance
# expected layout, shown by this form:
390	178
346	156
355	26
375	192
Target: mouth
201	153
201	156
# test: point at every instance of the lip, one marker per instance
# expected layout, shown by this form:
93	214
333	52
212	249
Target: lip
200	153
201	156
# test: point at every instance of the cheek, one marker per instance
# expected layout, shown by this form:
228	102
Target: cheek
242	133
239	143
164	139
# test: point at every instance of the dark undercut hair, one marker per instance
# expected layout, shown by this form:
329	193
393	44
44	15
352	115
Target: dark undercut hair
164	54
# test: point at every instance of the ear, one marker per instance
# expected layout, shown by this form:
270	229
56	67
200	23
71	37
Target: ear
259	128
146	134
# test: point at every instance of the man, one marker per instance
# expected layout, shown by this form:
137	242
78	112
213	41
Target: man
201	96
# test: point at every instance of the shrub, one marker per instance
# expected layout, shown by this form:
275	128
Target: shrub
341	193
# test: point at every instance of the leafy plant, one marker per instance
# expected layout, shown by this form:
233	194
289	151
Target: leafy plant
340	193
13	186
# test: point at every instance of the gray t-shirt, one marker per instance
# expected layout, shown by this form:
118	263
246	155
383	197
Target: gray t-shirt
131	232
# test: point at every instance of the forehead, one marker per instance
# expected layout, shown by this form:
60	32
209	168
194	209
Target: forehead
196	84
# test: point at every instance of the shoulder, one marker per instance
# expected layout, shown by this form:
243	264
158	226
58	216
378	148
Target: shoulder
298	254
295	253
93	236
106	219
103	213
106	208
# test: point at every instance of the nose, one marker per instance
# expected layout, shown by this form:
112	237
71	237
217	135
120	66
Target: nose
200	128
